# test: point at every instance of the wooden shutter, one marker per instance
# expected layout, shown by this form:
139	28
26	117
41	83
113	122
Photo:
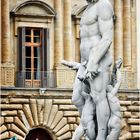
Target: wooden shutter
21	57
45	45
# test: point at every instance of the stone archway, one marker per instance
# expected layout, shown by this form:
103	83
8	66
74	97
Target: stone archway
38	134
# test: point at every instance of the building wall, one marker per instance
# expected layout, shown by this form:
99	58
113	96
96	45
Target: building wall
54	111
65	41
24	109
138	43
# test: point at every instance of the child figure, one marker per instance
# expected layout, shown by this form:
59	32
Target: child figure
114	124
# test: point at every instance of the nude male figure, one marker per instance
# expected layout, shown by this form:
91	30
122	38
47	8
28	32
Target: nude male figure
114	125
96	34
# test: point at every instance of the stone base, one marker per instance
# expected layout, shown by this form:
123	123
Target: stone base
7	75
65	76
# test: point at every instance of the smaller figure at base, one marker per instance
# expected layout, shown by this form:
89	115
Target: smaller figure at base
87	125
114	125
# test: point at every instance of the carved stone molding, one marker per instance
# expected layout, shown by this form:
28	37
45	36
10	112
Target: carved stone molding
65	76
7	75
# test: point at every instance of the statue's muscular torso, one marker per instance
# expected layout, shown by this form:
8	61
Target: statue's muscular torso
94	23
89	31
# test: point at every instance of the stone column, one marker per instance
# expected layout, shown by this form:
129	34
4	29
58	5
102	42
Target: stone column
138	43
0	43
118	29
5	31
77	36
127	33
7	68
0	37
58	32
133	35
67	30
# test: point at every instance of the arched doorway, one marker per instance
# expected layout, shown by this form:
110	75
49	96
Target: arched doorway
38	134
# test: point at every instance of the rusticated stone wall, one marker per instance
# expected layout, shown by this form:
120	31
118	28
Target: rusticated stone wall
64	37
23	110
131	116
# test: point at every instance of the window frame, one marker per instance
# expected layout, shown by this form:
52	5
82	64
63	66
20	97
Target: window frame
44	44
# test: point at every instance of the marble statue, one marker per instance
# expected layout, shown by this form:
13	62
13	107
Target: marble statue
91	86
87	125
96	32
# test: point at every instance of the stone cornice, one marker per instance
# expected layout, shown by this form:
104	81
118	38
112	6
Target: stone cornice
15	11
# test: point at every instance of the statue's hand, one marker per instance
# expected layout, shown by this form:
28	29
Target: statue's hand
118	63
91	75
84	94
76	66
93	72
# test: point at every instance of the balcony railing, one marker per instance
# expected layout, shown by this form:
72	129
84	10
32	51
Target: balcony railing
36	79
65	77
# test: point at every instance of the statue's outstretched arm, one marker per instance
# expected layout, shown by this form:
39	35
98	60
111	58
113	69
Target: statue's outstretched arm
105	23
117	85
71	64
117	75
116	67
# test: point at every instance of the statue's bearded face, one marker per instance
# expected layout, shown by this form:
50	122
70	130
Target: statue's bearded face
92	1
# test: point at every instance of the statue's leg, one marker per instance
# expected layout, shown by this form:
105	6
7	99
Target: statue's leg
114	135
77	99
109	128
102	107
102	112
91	130
115	126
79	132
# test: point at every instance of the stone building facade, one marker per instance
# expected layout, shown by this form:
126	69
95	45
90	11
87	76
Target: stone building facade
36	89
